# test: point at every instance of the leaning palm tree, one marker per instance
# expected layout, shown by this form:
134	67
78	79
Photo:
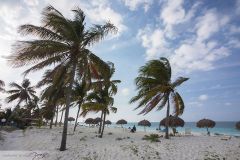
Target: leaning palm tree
23	93
61	41
2	84
155	88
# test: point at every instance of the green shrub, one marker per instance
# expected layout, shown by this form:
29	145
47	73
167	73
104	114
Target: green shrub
152	138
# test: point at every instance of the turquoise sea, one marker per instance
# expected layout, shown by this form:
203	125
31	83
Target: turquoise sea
226	128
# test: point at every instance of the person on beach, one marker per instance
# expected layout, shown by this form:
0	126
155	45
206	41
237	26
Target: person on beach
133	129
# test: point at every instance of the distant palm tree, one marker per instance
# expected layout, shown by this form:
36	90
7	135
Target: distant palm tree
23	93
2	84
53	94
79	95
61	41
100	99
155	88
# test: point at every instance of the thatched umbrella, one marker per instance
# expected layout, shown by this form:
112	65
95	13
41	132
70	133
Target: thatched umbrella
144	123
71	119
238	125
97	120
206	123
108	122
173	122
89	121
121	122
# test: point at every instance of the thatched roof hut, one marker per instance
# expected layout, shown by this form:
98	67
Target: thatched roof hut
238	125
97	120
173	121
89	121
108	122
71	119
121	121
144	123
206	123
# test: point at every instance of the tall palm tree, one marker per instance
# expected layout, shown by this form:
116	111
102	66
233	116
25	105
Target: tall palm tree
2	84
23	93
61	41
101	97
155	88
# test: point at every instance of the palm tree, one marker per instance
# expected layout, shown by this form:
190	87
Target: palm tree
53	94
79	95
2	84
23	93
61	41
100	99
155	88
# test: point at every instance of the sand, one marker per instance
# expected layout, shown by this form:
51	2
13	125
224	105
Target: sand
116	144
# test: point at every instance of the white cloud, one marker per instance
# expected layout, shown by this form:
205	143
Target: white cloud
197	56
173	13
134	4
203	27
228	104
234	29
100	14
154	42
125	91
195	103
238	7
203	97
31	3
195	52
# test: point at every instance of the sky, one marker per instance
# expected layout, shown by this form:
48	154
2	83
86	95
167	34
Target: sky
201	39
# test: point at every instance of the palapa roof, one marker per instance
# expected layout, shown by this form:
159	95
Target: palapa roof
97	120
173	121
206	123
121	121
89	121
238	125
108	122
144	123
71	119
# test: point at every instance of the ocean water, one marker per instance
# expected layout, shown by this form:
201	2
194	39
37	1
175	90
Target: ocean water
226	128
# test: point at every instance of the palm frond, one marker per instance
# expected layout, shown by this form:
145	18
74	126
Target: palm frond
98	32
178	104
179	81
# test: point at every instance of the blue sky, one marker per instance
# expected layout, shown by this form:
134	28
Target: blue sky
200	38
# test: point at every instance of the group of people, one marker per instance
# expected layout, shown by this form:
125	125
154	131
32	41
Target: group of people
133	129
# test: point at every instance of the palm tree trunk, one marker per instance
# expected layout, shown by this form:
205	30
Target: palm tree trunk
75	126
104	118
100	127
68	101
56	116
167	121
60	123
51	122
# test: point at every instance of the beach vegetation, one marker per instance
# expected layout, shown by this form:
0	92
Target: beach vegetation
157	90
2	84
101	98
152	138
62	43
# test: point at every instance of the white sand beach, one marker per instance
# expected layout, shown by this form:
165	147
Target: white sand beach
115	145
